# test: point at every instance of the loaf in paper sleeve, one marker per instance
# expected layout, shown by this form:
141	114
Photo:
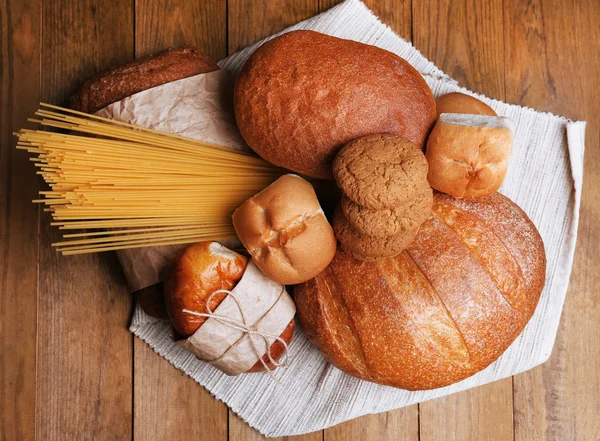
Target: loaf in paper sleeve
214	296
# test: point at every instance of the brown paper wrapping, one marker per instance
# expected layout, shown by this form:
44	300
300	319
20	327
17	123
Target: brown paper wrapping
230	349
198	107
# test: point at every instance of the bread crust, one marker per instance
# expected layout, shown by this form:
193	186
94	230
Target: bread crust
141	74
441	311
404	219
285	231
191	280
302	95
470	159
456	102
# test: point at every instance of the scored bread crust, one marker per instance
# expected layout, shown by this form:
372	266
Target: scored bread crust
441	311
468	154
285	231
302	95
141	74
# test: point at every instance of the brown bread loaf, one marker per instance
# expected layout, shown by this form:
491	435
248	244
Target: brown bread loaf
142	74
302	95
441	311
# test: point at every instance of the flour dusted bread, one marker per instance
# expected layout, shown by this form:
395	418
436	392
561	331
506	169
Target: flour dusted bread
285	231
302	95
468	154
441	311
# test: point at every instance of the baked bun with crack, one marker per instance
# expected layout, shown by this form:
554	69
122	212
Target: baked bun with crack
285	231
468	154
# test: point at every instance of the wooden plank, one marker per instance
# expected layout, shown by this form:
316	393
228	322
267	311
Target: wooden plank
240	431
465	39
483	413
398	425
167	403
552	64
401	424
396	14
251	20
165	23
84	384
20	93
248	22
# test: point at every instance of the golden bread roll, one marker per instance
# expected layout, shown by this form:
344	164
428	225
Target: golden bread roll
468	154
285	231
456	102
303	95
199	271
441	311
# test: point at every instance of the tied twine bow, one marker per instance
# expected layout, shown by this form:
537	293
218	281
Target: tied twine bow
248	330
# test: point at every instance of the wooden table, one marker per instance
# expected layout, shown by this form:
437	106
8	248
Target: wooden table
69	369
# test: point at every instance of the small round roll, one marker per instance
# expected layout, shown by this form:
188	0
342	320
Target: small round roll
285	231
468	154
456	102
200	270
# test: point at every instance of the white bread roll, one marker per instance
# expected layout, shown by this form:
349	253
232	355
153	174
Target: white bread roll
468	154
285	231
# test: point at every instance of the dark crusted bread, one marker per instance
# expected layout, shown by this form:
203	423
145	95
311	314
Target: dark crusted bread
138	75
303	95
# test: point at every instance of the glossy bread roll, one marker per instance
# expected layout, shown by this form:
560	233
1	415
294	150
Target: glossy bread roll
285	231
441	311
201	270
456	102
304	94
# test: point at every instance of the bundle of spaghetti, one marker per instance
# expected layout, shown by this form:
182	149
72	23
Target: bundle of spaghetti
136	187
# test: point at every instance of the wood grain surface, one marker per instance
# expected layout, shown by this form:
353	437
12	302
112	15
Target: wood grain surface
84	350
20	40
168	405
69	369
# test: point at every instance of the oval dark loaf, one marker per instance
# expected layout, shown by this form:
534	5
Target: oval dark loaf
302	95
441	311
142	74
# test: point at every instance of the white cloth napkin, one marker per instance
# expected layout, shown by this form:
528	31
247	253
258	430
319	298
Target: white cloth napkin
544	178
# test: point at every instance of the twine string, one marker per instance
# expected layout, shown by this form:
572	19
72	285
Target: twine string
247	330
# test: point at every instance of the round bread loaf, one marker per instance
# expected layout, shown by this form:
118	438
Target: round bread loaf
302	95
456	102
285	231
381	171
364	247
200	270
441	311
